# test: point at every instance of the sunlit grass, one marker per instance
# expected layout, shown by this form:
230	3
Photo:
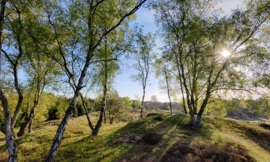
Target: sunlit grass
79	145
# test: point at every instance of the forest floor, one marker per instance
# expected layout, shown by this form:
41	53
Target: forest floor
158	137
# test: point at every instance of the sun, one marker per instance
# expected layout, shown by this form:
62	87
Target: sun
226	53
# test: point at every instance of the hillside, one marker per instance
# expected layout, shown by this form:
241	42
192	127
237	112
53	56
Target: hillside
219	138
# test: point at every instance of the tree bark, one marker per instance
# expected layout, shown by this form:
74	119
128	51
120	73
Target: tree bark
62	126
181	84
168	88
183	97
61	129
112	120
99	123
103	109
15	74
12	150
87	113
31	121
105	116
28	121
143	101
194	84
193	122
208	94
19	103
191	112
209	88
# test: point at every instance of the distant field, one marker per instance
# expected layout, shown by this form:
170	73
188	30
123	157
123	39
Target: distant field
121	141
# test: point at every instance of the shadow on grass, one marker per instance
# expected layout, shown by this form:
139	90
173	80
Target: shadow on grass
173	128
260	137
107	147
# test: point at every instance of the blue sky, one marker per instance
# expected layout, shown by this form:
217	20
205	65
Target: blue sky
124	85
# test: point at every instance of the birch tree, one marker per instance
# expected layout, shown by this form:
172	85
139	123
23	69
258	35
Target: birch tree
42	72
15	39
205	47
8	132
166	77
143	57
70	34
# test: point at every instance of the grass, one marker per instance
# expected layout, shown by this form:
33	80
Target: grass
112	142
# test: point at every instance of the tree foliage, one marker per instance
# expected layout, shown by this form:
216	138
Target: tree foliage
196	38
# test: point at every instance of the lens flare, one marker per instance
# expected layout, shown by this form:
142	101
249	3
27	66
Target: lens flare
226	53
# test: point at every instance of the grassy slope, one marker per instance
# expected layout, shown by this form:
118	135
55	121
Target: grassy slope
77	145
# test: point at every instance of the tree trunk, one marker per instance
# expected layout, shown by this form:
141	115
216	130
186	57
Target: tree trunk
142	112
168	88
103	109
193	102
170	105
112	120
194	84
23	127
191	111
19	103
192	122
61	129
198	121
105	116
143	101
12	150
181	85
99	123
208	94
110	117
28	121
87	113
199	116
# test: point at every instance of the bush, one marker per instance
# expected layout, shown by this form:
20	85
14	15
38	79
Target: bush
151	138
159	118
265	125
152	114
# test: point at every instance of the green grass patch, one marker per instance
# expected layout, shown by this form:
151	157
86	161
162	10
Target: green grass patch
123	140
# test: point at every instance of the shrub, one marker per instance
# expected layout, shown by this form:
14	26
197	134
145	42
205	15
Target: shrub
265	125
151	138
152	114
159	118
